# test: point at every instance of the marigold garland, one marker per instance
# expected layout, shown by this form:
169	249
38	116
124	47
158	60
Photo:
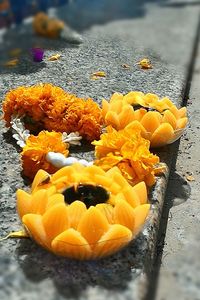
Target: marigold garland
34	152
127	150
159	120
83	212
45	106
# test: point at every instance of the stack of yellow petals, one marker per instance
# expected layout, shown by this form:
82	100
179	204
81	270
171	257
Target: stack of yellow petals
83	212
159	120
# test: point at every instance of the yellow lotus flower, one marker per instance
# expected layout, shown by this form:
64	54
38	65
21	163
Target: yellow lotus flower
127	150
83	212
159	120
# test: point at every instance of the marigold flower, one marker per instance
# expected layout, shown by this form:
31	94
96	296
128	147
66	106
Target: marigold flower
48	27
34	152
159	120
49	107
127	150
83	212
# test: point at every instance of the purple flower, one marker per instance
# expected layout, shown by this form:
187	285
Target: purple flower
37	54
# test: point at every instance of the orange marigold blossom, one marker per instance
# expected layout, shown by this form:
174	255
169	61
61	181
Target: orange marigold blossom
34	152
127	150
159	120
45	106
83	212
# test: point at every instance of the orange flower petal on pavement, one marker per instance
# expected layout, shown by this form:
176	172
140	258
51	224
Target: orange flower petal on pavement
145	63
12	62
97	75
54	57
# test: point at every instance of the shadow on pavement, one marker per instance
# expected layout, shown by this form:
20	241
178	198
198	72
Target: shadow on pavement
72	277
181	4
82	14
23	38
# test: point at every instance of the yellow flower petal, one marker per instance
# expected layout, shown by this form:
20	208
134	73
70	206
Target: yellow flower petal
54	200
168	117
140	212
124	215
151	121
145	63
54	57
107	211
113	240
41	178
55	220
97	75
162	135
39	202
34	226
93	225
141	191
72	244
76	210
181	123
23	203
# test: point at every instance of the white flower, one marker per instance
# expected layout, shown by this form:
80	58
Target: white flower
72	138
20	134
58	160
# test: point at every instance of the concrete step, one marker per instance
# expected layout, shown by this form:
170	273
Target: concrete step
159	30
180	269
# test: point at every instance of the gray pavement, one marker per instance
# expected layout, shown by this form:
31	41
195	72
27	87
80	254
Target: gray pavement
180	270
165	33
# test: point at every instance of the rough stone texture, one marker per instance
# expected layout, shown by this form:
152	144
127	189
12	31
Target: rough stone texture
180	269
28	271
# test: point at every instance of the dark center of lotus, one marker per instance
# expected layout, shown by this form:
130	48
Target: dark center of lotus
138	106
87	193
